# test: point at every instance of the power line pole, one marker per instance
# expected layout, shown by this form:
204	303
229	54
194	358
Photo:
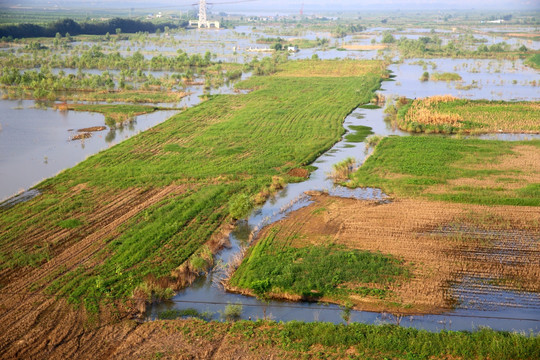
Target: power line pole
203	22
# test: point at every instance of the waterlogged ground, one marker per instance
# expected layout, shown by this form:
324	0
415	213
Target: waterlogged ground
34	144
495	80
482	79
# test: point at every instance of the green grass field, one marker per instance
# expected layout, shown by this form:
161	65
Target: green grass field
457	170
227	147
274	266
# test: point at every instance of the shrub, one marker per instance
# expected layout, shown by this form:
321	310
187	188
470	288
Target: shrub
232	312
239	206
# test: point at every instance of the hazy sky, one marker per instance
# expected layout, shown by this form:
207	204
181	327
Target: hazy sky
294	5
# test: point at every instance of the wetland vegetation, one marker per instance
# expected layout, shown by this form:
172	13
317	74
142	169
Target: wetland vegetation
447	114
135	223
183	174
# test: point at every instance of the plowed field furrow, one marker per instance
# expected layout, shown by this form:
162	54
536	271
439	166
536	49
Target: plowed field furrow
74	256
57	235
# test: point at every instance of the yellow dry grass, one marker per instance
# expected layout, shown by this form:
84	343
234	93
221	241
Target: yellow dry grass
338	68
475	116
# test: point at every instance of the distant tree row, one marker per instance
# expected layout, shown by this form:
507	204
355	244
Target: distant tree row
72	27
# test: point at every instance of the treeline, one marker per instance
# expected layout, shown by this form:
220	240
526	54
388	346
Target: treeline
72	27
97	58
464	46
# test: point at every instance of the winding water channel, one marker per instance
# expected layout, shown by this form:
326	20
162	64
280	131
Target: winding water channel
520	311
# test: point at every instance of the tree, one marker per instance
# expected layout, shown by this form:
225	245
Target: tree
388	38
277	46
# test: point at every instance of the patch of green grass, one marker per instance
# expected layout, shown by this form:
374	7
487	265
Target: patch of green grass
314	271
413	166
447	76
172	314
115	113
19	258
360	133
70	223
533	61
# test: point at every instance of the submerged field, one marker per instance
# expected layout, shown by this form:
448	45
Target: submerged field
125	220
446	114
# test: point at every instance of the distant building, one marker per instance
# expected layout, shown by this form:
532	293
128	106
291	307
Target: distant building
292	48
205	25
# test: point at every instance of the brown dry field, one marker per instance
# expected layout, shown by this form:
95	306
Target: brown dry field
441	242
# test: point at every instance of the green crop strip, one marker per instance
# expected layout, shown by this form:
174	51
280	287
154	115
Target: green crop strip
315	271
226	146
418	166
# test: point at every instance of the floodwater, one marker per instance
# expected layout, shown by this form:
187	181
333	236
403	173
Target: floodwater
35	141
504	310
34	144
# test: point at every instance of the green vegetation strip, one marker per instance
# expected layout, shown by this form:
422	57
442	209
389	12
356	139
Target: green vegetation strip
314	271
423	166
533	61
362	341
114	113
219	152
360	133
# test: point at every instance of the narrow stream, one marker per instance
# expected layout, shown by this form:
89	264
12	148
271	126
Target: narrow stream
207	296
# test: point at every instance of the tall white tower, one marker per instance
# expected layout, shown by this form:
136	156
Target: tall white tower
203	22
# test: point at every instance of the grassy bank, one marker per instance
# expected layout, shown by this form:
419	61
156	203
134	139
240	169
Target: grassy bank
457	170
295	340
446	114
140	209
286	267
